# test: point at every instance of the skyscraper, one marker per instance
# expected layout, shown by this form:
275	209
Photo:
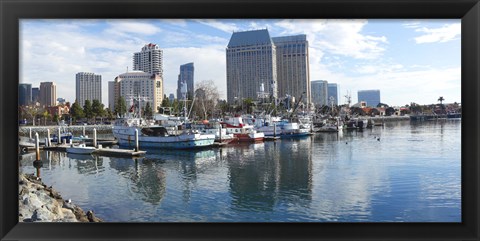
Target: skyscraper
35	94
293	67
372	97
333	93
88	86
24	94
140	84
187	76
149	60
111	95
320	92
48	94
251	61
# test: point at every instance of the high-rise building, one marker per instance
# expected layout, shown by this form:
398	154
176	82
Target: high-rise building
251	61
88	86
24	94
293	67
171	98
111	95
333	93
186	76
149	60
48	94
140	85
371	97
35	94
320	92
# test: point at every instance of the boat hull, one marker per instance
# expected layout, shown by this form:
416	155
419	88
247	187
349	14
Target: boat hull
183	141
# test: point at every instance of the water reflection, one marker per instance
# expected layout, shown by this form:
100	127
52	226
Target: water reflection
399	172
270	175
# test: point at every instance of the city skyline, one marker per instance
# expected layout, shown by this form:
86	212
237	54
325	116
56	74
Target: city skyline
408	60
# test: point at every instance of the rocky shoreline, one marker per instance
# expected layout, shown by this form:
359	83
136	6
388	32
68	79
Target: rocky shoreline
39	203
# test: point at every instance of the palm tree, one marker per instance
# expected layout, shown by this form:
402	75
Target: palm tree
441	99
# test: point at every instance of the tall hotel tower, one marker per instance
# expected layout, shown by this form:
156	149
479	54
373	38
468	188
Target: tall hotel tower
293	67
251	61
186	75
88	86
130	85
149	60
48	94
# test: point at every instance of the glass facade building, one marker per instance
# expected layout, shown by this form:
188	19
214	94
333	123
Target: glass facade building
371	97
320	92
186	76
24	94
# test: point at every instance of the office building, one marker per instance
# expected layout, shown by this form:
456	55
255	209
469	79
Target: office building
111	95
149	60
48	94
320	92
251	62
293	67
332	93
35	94
24	94
140	85
88	86
171	98
371	97
186	76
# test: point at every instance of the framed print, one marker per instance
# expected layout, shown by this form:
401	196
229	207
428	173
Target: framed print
318	120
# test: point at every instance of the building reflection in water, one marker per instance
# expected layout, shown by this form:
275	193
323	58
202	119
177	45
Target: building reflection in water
149	180
270	174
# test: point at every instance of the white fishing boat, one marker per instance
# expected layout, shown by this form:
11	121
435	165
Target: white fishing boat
80	149
157	136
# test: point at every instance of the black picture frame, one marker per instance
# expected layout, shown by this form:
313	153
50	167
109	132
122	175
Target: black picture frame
13	10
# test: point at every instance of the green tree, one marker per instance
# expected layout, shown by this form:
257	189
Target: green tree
98	109
109	114
166	102
147	111
76	112
87	109
248	104
46	116
120	106
55	118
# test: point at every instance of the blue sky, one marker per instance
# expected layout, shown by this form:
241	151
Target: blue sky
407	60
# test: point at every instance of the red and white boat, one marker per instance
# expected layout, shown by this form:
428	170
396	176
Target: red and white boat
242	131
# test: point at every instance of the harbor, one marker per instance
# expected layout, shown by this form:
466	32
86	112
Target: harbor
270	180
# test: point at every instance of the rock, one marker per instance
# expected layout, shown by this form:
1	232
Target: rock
39	203
92	218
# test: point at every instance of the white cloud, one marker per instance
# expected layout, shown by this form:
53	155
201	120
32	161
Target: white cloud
342	37
226	27
209	64
122	27
446	33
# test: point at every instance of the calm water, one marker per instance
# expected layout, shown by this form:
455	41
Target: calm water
412	174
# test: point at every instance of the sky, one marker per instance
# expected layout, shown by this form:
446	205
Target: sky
407	60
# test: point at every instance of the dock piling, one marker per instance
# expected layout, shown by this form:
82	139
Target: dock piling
48	142
136	140
94	137
59	139
220	133
37	163
30	132
83	131
37	147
